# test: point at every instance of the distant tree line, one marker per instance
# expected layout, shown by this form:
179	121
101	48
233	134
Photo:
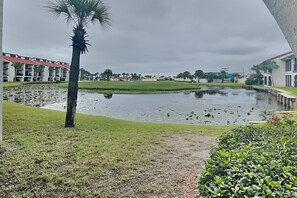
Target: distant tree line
210	76
107	75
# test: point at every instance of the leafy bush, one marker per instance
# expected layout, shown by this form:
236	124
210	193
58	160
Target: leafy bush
253	162
254	80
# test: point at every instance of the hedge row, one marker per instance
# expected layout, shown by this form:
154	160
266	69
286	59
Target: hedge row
253	162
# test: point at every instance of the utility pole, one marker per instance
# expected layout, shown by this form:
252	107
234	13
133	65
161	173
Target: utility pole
1	69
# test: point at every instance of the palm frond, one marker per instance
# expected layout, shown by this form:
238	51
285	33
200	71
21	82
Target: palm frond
60	7
101	15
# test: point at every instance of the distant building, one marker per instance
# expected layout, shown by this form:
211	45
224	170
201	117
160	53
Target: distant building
285	75
124	78
157	77
29	72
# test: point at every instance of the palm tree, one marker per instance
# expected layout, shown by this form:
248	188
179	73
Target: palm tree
81	13
258	69
17	66
37	70
269	66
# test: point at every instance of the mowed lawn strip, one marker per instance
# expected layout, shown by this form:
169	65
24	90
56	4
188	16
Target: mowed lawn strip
12	84
291	90
231	85
135	85
101	157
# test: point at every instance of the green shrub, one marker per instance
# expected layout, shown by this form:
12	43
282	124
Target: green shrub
253	162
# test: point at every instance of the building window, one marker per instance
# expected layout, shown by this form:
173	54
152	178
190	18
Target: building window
288	80
288	65
295	64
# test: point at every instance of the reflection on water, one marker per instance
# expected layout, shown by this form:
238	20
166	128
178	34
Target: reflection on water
199	93
107	96
210	106
35	95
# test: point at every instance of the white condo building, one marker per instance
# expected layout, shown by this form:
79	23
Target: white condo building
285	75
29	70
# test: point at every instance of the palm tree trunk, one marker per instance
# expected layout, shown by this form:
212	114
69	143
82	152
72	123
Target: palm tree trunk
72	88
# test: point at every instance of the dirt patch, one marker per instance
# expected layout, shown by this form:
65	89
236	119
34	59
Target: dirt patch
174	172
191	151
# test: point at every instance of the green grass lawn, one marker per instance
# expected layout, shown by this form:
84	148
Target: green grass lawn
101	157
12	84
291	90
232	85
135	86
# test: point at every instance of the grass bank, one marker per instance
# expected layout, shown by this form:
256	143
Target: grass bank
137	86
12	84
101	157
232	85
291	90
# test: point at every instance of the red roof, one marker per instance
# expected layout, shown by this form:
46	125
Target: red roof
49	64
63	65
19	60
285	54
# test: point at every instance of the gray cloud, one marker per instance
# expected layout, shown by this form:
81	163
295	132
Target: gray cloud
155	36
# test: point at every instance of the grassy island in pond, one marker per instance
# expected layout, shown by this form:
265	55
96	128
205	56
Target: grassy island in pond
138	86
101	157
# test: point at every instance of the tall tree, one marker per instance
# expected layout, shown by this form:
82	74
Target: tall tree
107	74
223	75
17	67
199	74
84	74
81	13
269	66
187	75
37	70
257	69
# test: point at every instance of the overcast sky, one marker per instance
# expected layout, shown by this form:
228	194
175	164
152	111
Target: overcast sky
152	36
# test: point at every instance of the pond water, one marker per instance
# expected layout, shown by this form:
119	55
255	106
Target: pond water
208	106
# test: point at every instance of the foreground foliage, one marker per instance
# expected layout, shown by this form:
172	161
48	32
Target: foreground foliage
253	162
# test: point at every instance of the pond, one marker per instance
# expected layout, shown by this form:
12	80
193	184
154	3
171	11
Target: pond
208	106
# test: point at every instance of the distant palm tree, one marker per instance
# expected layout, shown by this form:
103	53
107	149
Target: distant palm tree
37	70
269	66
81	13
17	67
258	69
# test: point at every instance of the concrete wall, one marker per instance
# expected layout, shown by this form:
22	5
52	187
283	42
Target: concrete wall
278	75
285	14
